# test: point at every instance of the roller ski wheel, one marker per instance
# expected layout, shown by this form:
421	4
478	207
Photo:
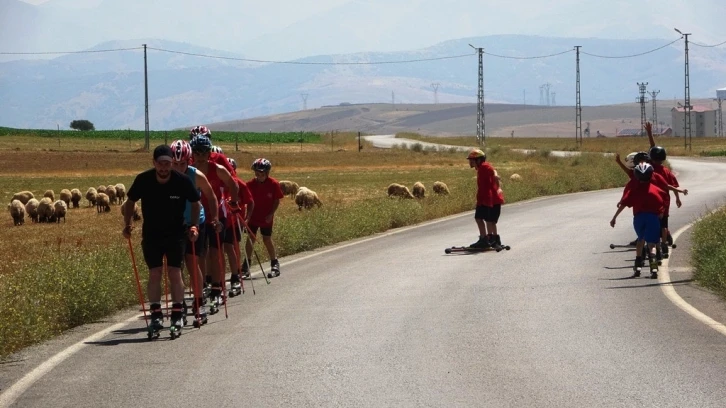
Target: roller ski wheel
199	321
175	330
213	309
154	329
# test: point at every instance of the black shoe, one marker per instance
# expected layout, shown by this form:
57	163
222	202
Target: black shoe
234	278
275	268
483	243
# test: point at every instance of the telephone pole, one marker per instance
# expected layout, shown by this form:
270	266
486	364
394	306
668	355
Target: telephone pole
547	92
578	102
146	104
304	97
653	94
642	100
687	102
480	130
435	86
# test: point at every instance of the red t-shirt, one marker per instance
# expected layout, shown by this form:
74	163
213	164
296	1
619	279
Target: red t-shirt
219	190
644	198
264	195
487	192
245	195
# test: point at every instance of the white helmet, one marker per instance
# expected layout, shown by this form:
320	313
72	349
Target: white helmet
630	160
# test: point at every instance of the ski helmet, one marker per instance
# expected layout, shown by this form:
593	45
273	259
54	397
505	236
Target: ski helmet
643	171
261	165
217	149
657	153
641	157
475	154
232	162
199	130
181	151
630	160
201	144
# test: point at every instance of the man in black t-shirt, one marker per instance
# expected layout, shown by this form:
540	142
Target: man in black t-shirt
164	194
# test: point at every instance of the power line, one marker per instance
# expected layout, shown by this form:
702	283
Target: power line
708	46
71	52
524	58
633	55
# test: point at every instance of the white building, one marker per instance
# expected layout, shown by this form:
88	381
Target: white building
704	121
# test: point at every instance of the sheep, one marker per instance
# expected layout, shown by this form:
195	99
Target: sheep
75	197
50	194
419	190
289	187
103	203
31	208
91	196
398	190
59	210
45	210
65	195
120	192
111	193
515	177
23	197
17	211
307	198
440	188
137	211
101	189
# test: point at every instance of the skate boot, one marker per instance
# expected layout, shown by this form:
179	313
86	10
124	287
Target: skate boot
496	243
664	249
156	319
482	243
200	316
658	254
245	270
235	285
637	266
215	299
653	269
208	282
274	269
177	320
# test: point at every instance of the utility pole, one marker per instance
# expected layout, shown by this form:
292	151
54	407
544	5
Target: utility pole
719	116
687	102
393	98
541	95
553	99
146	104
642	100
578	102
435	85
480	123
524	96
547	92
653	95
304	97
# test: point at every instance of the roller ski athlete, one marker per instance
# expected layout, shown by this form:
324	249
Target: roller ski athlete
177	320
156	324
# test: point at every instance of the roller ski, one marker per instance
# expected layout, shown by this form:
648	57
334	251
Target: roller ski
484	244
653	269
274	269
637	267
215	300
155	323
178	319
200	316
235	285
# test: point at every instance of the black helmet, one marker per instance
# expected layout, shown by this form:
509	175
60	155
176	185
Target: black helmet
201	144
261	164
641	157
657	153
643	171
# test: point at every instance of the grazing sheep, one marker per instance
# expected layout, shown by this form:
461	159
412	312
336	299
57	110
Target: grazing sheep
307	198
419	191
289	187
75	197
120	192
515	177
65	195
59	210
31	208
23	197
17	211
50	194
137	211
91	196
101	189
398	190
103	203
111	193
45	210
441	188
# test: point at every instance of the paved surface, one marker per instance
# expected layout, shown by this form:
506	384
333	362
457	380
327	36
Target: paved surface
392	321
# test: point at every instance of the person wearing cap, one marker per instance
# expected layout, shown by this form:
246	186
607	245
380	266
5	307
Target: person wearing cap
489	200
164	193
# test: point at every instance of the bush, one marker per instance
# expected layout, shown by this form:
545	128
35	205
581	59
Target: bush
82	125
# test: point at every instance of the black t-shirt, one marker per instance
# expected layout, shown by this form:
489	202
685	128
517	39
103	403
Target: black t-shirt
162	205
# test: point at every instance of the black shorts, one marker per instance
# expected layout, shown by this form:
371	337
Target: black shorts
231	235
488	214
155	248
664	222
265	231
199	245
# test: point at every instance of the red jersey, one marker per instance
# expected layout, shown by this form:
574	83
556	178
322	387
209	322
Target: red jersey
264	195
221	159
219	190
487	186
644	198
245	195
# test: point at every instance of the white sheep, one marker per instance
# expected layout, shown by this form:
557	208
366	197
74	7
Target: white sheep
17	211
120	192
65	195
440	188
31	208
60	208
399	190
45	210
419	190
103	203
101	189
91	196
23	197
289	187
515	177
137	211
75	197
50	194
306	198
111	193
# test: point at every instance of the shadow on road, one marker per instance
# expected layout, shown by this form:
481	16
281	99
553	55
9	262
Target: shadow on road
685	281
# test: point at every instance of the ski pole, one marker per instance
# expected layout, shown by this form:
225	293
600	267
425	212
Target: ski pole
241	236
221	271
235	247
138	282
166	288
261	267
194	279
254	240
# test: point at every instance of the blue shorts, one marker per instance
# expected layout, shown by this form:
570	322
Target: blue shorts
647	227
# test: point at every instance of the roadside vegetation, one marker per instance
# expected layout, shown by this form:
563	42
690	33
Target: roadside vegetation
708	253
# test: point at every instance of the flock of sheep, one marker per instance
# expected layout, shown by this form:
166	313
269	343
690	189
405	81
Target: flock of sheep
48	209
419	190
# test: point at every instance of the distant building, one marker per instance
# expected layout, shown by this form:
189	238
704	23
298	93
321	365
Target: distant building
704	121
636	132
628	132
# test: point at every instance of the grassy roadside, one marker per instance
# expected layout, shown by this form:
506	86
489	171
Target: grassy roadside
708	253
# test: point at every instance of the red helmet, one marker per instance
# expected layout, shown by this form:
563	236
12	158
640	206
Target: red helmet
181	151
261	165
200	130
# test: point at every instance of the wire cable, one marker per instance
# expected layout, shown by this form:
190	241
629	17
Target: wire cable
708	46
525	58
70	52
633	55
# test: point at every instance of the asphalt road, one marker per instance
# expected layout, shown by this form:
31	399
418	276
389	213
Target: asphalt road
393	321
